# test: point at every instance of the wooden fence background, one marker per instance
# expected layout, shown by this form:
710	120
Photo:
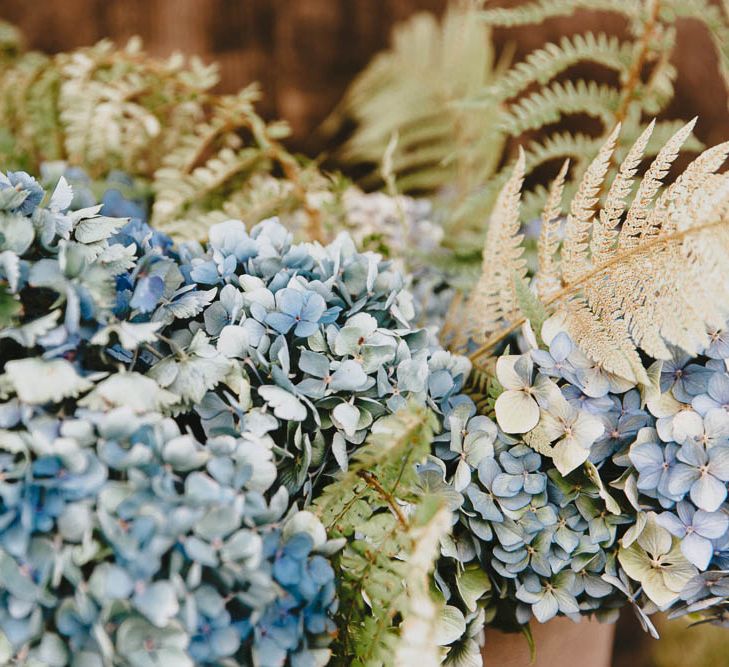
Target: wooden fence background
304	52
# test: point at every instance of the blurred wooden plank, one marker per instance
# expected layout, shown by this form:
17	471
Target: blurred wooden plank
305	52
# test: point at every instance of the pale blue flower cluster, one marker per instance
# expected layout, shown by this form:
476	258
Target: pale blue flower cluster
682	465
314	341
531	514
122	534
557	498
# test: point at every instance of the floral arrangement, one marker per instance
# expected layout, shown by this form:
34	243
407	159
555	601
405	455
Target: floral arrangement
606	499
122	534
191	400
195	399
607	477
258	447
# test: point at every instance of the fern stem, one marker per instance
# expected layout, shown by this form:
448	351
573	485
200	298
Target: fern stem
356	495
314	229
371	558
568	290
373	482
637	67
196	157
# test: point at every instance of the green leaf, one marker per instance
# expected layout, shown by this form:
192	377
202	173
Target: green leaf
472	584
526	630
594	475
530	305
10	308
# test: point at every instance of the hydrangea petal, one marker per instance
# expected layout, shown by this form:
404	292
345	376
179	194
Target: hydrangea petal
708	493
681	478
719	462
697	550
516	412
546	608
506	373
712	525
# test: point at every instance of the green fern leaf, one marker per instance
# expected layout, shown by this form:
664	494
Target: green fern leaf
552	103
542	65
385	566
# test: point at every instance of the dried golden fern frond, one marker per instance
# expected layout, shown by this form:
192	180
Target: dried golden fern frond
605	234
548	272
645	278
575	259
639	212
494	300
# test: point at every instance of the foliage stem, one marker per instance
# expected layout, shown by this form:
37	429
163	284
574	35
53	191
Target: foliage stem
373	482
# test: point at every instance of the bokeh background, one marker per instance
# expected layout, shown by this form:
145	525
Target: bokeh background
304	53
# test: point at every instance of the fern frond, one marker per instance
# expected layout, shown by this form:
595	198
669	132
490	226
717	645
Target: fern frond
550	104
518	105
605	233
418	629
576	147
177	192
701	305
493	300
103	108
414	89
599	313
542	65
663	130
580	218
542	10
694	176
637	219
663	281
380	618
116	110
483	388
548	277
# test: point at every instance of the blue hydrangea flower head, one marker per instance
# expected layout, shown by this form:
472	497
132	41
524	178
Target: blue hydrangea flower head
696	529
297	310
702	474
32	192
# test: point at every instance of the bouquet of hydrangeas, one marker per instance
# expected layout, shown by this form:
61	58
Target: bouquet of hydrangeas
244	450
196	439
122	534
168	411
